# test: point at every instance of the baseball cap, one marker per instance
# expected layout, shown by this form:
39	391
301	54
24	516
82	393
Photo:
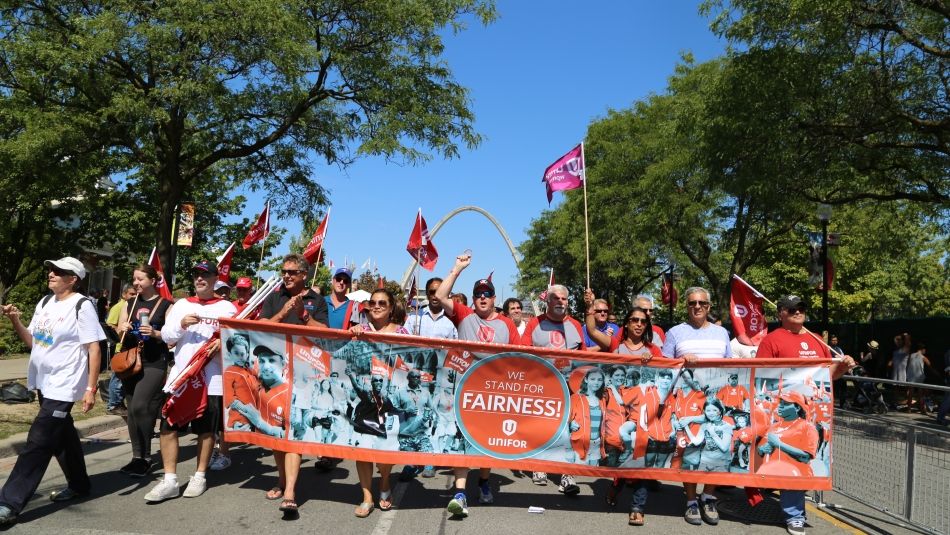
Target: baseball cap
873	344
68	263
484	283
221	284
792	396
343	271
244	282
204	266
790	301
262	351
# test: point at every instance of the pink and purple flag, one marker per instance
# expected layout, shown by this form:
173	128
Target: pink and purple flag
566	173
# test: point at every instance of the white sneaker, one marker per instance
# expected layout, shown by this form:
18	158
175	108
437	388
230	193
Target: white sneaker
196	487
219	462
164	490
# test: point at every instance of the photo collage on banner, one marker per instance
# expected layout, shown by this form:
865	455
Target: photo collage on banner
400	397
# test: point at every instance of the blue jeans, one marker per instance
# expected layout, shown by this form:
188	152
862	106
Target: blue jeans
793	503
944	407
639	500
116	395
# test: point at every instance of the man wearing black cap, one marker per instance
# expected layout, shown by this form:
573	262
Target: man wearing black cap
190	323
792	340
478	324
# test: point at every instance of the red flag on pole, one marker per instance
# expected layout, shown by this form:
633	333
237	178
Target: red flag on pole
160	285
260	229
411	294
668	293
224	265
312	251
419	246
747	313
544	294
566	173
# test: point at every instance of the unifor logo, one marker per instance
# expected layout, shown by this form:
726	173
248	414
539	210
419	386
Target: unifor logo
804	345
557	339
486	333
509	427
741	311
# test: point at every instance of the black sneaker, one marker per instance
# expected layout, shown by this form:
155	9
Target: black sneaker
692	515
118	410
707	509
137	468
7	516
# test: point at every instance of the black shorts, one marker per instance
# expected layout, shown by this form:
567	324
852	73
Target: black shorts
655	446
212	421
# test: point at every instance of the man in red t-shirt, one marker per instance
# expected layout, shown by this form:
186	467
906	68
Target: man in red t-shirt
792	340
268	416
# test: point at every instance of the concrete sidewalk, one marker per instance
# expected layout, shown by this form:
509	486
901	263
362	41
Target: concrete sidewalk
13	369
12	445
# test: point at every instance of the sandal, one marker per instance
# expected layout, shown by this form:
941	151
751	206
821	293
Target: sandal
363	510
636	518
385	503
275	493
288	506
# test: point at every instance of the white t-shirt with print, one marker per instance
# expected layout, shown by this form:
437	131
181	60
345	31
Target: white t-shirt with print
189	341
59	360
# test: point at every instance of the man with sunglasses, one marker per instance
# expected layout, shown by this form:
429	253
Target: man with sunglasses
793	340
691	341
342	312
431	321
189	324
481	323
599	333
294	304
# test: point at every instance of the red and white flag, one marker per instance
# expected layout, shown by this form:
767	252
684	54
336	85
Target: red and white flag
747	313
411	293
260	230
160	285
312	251
668	294
224	265
566	173
544	295
420	247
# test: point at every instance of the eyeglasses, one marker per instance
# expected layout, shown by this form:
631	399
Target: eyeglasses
697	303
381	303
291	272
647	310
338	278
638	321
376	380
485	293
601	310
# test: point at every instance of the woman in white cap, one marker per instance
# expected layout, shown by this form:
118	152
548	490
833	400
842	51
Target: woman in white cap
63	337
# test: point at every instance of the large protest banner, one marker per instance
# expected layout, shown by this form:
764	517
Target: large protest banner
409	400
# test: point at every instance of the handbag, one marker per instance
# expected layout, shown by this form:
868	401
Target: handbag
127	363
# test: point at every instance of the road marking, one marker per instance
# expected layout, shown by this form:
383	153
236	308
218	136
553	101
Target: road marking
832	520
385	522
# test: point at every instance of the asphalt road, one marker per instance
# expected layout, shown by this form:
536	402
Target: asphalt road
235	502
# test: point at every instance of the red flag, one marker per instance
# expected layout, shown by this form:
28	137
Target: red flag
188	396
260	229
156	262
224	265
411	294
312	251
668	293
747	313
379	367
544	295
420	247
566	173
381	283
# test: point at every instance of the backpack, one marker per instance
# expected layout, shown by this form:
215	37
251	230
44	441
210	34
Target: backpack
14	392
78	303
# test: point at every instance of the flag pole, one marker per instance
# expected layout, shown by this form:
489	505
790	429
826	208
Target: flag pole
586	225
260	263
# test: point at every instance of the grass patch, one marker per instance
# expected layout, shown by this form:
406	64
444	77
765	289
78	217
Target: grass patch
16	418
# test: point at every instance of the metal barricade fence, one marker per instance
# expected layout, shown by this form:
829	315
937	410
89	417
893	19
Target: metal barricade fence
900	468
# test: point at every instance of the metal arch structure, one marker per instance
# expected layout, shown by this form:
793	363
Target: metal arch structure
434	230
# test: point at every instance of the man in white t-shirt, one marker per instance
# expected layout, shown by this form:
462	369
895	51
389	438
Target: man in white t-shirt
189	324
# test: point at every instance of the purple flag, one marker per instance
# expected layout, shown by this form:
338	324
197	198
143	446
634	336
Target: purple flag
566	173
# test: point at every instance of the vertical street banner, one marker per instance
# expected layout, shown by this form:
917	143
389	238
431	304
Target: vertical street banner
405	399
186	225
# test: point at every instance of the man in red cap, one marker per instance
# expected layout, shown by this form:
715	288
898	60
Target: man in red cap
244	288
793	438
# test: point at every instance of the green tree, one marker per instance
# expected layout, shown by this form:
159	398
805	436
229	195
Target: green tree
184	92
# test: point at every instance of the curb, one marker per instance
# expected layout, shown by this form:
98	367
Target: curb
11	446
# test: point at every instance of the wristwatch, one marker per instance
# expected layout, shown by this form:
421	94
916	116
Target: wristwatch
92	389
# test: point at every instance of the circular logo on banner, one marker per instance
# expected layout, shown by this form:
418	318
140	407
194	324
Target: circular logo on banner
512	405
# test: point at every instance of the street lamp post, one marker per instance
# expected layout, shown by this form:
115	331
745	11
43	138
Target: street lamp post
824	215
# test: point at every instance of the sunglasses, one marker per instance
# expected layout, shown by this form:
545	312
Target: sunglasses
638	321
601	311
62	272
796	310
291	272
485	293
382	303
340	278
697	303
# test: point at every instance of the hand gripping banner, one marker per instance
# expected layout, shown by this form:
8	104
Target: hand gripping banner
409	400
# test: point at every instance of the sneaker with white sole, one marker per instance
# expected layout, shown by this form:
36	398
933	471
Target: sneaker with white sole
163	490
196	487
708	512
692	515
458	506
219	462
568	486
795	527
485	496
539	478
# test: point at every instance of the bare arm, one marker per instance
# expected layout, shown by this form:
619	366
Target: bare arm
445	289
13	313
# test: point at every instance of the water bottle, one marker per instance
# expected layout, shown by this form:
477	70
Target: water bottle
143	320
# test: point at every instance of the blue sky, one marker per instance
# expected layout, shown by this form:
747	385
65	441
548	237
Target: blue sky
537	79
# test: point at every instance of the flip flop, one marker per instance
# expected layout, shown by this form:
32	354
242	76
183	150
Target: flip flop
636	519
288	506
363	510
275	493
385	502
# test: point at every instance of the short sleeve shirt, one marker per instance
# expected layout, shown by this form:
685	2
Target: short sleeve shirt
313	302
610	329
545	332
782	343
710	341
471	327
341	317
